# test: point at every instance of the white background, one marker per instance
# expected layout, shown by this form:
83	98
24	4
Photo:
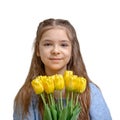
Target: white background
98	28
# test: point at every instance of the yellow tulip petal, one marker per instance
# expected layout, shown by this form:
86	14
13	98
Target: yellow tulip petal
37	86
59	82
81	85
48	84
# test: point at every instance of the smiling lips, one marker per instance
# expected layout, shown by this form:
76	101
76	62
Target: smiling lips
55	59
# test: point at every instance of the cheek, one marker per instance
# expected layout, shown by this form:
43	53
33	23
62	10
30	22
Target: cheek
43	56
42	53
68	55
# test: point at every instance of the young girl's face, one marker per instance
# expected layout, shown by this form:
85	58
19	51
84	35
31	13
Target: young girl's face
55	50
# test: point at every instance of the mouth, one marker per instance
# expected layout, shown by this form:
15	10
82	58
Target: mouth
55	60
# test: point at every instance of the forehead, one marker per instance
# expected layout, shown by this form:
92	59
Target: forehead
55	28
54	32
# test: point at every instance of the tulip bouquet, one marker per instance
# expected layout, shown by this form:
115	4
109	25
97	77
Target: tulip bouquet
67	108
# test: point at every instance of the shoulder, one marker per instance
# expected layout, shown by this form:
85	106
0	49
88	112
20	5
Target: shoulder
94	89
33	112
34	100
96	96
98	106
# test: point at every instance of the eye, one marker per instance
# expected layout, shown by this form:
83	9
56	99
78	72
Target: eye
64	44
47	44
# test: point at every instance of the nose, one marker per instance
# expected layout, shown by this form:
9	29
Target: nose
55	50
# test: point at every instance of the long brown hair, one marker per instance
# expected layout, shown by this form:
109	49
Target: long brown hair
75	64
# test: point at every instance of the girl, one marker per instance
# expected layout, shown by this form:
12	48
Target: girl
56	49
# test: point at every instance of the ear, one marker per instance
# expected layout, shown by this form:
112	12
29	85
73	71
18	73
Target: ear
38	53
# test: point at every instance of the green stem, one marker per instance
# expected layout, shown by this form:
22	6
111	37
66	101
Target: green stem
61	100
48	98
43	99
67	99
77	99
71	101
51	99
72	95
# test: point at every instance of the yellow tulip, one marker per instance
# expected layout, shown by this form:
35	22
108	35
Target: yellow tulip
59	82
37	85
74	82
43	78
48	84
81	84
71	83
68	74
67	78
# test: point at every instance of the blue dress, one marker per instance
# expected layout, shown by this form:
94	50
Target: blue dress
98	108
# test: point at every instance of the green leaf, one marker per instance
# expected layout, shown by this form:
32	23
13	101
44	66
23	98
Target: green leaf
69	109
53	112
66	113
76	112
47	114
63	114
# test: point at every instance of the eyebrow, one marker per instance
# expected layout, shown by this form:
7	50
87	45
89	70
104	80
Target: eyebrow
48	40
64	40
